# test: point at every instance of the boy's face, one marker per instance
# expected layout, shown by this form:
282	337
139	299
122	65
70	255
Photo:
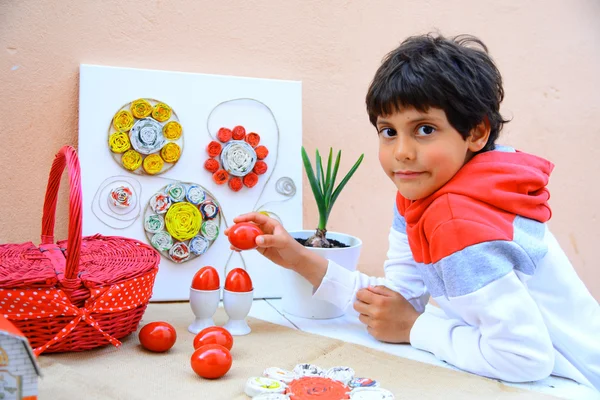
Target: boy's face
421	151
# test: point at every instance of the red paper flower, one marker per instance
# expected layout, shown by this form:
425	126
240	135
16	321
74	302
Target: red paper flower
220	177
252	139
261	152
236	158
260	167
251	180
214	148
235	184
224	135
239	132
212	165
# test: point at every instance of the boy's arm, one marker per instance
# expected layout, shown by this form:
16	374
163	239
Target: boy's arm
493	327
339	286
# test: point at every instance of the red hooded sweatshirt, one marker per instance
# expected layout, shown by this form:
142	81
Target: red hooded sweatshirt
478	204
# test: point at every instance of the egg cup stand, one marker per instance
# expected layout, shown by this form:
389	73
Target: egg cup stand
204	304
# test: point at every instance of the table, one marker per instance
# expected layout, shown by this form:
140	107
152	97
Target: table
349	329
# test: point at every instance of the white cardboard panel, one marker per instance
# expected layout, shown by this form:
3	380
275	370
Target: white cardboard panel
104	90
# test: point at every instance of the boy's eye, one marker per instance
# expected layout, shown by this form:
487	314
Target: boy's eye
425	130
387	132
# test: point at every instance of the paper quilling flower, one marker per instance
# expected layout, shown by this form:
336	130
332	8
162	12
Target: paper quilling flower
236	158
182	221
145	137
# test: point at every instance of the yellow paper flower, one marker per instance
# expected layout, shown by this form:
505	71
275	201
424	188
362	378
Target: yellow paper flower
172	130
183	221
170	152
161	112
141	108
119	142
153	164
131	160
123	121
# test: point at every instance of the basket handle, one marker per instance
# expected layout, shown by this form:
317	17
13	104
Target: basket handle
65	157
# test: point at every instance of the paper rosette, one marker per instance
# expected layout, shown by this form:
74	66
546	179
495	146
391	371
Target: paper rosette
145	137
236	158
182	220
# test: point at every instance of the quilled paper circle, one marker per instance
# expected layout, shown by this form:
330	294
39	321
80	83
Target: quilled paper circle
176	226
371	393
259	385
183	221
232	158
342	374
122	199
317	387
363	382
279	374
308	370
148	135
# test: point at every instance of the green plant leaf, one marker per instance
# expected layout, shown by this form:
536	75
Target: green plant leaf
327	196
314	185
338	190
319	173
328	176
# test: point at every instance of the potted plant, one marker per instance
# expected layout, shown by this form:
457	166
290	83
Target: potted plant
337	247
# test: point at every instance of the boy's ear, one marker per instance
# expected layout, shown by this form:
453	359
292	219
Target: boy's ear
479	136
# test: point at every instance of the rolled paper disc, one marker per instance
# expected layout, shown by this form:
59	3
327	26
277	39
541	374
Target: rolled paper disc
119	142
153	164
161	112
363	382
199	245
162	241
176	192
172	130
179	252
183	221
195	195
209	209
123	121
210	230
141	108
342	374
146	136
308	370
160	203
372	393
170	152
271	396
260	385
279	374
238	157
318	388
154	223
121	199
131	160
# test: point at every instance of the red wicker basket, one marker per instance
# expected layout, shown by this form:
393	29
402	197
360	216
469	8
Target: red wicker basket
80	293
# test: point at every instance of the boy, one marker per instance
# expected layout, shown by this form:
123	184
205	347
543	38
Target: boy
469	229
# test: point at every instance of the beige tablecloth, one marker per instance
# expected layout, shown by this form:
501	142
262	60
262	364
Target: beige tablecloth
131	373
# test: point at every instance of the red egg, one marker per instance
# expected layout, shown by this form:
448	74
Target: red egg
207	278
238	280
158	336
214	335
243	235
211	361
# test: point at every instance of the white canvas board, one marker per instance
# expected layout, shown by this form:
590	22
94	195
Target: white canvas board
203	103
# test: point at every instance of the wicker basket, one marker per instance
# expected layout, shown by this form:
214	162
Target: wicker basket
80	293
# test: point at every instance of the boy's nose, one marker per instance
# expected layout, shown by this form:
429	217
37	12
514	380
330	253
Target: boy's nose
404	149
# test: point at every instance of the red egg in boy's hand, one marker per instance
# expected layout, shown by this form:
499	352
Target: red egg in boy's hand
207	278
238	280
243	235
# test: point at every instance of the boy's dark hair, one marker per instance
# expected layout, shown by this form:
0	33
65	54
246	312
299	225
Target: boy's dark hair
451	74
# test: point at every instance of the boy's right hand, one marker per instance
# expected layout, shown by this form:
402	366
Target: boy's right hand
276	243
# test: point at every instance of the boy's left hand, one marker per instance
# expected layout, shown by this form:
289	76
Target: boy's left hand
389	317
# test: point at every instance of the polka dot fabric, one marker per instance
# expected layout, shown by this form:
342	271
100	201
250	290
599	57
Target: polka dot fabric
81	293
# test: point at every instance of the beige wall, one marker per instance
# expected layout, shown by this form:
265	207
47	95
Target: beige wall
548	52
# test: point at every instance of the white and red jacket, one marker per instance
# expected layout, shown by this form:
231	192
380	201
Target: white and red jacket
513	306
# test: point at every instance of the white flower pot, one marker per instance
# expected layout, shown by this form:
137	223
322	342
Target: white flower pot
297	292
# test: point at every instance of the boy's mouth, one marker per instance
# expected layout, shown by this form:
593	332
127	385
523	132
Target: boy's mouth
408	174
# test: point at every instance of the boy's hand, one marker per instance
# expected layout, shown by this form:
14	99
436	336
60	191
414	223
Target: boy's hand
388	315
276	243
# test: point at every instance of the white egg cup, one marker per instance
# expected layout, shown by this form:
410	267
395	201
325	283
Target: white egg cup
237	306
204	304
